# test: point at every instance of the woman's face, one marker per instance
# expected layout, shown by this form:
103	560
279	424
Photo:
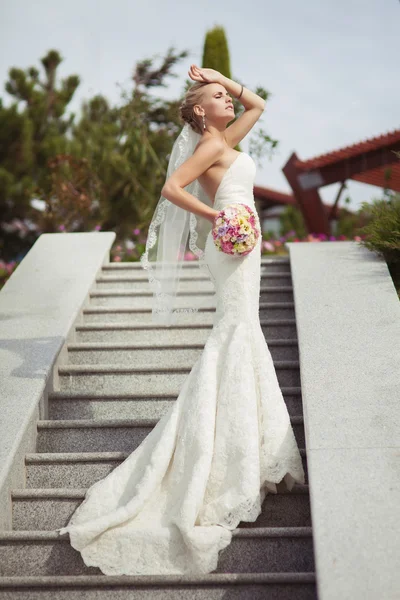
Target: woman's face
217	104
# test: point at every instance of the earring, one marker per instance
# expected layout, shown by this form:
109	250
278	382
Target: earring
204	122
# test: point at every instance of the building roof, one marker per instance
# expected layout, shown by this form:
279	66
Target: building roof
273	197
371	171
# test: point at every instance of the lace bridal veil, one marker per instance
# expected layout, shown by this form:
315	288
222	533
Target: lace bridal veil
170	229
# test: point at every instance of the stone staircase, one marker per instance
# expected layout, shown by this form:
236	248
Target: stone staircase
122	374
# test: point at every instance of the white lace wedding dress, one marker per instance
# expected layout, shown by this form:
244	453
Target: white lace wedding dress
225	443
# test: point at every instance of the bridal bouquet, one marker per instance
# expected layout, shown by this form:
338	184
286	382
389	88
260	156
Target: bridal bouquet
236	229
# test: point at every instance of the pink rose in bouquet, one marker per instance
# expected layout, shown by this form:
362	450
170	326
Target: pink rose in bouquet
236	229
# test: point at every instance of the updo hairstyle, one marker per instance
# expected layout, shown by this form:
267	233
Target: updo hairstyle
194	95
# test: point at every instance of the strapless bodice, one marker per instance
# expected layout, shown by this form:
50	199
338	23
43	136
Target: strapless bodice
237	183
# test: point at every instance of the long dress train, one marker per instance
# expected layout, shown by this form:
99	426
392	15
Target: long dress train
209	462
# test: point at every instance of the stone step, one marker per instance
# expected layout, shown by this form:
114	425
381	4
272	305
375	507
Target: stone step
155	355
283	329
80	469
64	405
252	550
187	283
193	275
143	299
123	435
49	509
205	316
119	379
268	264
213	586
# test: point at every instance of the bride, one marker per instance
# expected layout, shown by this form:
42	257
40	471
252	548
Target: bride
227	441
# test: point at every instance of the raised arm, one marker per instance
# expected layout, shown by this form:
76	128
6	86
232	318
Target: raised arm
254	106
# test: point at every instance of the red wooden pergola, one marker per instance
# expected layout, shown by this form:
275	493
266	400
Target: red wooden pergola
371	161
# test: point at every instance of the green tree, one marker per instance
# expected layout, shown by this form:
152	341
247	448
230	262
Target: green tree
116	157
127	146
32	130
104	168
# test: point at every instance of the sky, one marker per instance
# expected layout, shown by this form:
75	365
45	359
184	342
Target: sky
331	66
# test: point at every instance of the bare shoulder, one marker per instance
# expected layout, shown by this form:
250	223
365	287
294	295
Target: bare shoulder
205	154
211	147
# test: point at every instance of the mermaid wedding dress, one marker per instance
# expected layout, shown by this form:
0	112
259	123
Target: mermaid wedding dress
224	444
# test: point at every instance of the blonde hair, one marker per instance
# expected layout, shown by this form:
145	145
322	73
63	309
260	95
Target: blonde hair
194	95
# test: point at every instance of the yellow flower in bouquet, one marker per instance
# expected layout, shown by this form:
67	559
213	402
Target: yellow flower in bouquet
236	229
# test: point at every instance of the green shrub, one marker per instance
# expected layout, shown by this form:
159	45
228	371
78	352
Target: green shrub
382	233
